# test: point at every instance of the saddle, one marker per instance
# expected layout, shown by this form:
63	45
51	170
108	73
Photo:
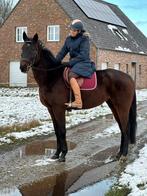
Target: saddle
84	83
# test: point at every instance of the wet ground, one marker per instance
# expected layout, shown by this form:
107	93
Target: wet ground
27	170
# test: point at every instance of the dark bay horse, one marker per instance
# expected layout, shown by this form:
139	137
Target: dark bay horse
114	87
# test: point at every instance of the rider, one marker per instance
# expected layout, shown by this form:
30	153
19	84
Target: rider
78	46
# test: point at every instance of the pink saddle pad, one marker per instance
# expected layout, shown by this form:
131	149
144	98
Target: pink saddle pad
84	83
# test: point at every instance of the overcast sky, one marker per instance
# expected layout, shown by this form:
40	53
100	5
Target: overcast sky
136	10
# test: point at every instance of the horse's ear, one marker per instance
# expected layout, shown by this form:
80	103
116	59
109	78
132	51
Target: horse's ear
25	37
35	38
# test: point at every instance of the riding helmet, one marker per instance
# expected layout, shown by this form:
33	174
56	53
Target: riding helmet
77	25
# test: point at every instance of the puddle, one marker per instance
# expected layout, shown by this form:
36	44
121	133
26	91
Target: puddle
10	192
97	189
57	180
52	185
40	147
57	187
60	184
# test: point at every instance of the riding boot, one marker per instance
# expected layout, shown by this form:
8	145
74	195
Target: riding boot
77	94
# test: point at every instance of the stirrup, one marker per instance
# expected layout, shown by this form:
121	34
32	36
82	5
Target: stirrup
73	105
68	104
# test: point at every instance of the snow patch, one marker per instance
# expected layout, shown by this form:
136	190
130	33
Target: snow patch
5	140
141	95
141	52
123	49
111	27
20	106
44	161
125	31
114	129
135	175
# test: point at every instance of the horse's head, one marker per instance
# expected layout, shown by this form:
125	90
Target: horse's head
30	52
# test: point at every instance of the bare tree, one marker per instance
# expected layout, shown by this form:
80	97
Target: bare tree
5	9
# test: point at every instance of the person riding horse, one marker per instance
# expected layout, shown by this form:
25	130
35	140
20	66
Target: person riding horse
78	46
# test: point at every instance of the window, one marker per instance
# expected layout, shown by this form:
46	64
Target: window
133	71
117	66
140	70
53	33
19	33
119	34
104	66
127	68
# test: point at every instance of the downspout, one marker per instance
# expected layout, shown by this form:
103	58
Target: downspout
97	50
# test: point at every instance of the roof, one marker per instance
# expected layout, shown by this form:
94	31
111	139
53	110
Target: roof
109	36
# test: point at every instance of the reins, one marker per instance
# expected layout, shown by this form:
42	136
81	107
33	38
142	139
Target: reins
49	69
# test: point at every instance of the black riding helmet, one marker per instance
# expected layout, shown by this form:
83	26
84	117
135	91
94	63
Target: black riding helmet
77	25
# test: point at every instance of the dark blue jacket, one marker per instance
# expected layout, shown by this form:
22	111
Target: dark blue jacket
79	51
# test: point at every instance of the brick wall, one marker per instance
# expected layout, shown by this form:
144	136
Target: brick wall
125	60
36	15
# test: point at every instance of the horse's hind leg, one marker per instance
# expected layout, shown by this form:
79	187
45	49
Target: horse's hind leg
122	120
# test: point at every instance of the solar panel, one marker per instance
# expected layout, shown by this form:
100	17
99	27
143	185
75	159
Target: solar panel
99	11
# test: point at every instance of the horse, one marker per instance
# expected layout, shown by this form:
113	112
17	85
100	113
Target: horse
114	87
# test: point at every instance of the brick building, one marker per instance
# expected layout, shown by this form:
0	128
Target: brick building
119	45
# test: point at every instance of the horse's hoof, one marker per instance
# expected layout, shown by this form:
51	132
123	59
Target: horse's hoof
62	158
122	159
117	157
55	156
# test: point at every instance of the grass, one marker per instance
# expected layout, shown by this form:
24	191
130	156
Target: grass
118	191
19	127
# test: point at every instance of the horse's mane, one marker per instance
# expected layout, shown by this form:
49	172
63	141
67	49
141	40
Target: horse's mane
49	56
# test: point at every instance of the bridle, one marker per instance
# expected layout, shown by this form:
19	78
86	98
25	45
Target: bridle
36	58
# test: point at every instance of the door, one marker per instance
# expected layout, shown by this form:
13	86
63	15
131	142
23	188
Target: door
133	71
17	78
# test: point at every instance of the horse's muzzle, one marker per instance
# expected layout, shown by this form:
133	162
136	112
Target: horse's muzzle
24	66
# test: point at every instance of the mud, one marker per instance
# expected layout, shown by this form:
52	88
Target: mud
27	170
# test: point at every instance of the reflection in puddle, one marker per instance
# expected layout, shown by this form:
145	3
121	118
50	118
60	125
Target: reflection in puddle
10	192
49	186
55	185
44	147
97	189
58	185
52	185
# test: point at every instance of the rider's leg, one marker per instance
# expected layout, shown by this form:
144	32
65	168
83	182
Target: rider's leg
76	90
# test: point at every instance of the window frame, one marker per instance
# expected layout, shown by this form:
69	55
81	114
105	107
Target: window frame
53	34
17	35
116	66
104	65
140	69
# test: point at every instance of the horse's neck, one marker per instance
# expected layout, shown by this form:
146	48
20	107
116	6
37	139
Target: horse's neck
44	77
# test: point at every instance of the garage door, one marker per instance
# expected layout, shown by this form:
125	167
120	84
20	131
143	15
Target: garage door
17	78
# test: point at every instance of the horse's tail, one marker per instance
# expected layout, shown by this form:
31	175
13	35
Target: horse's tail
132	120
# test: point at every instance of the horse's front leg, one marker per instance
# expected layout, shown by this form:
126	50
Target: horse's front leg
58	149
58	117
